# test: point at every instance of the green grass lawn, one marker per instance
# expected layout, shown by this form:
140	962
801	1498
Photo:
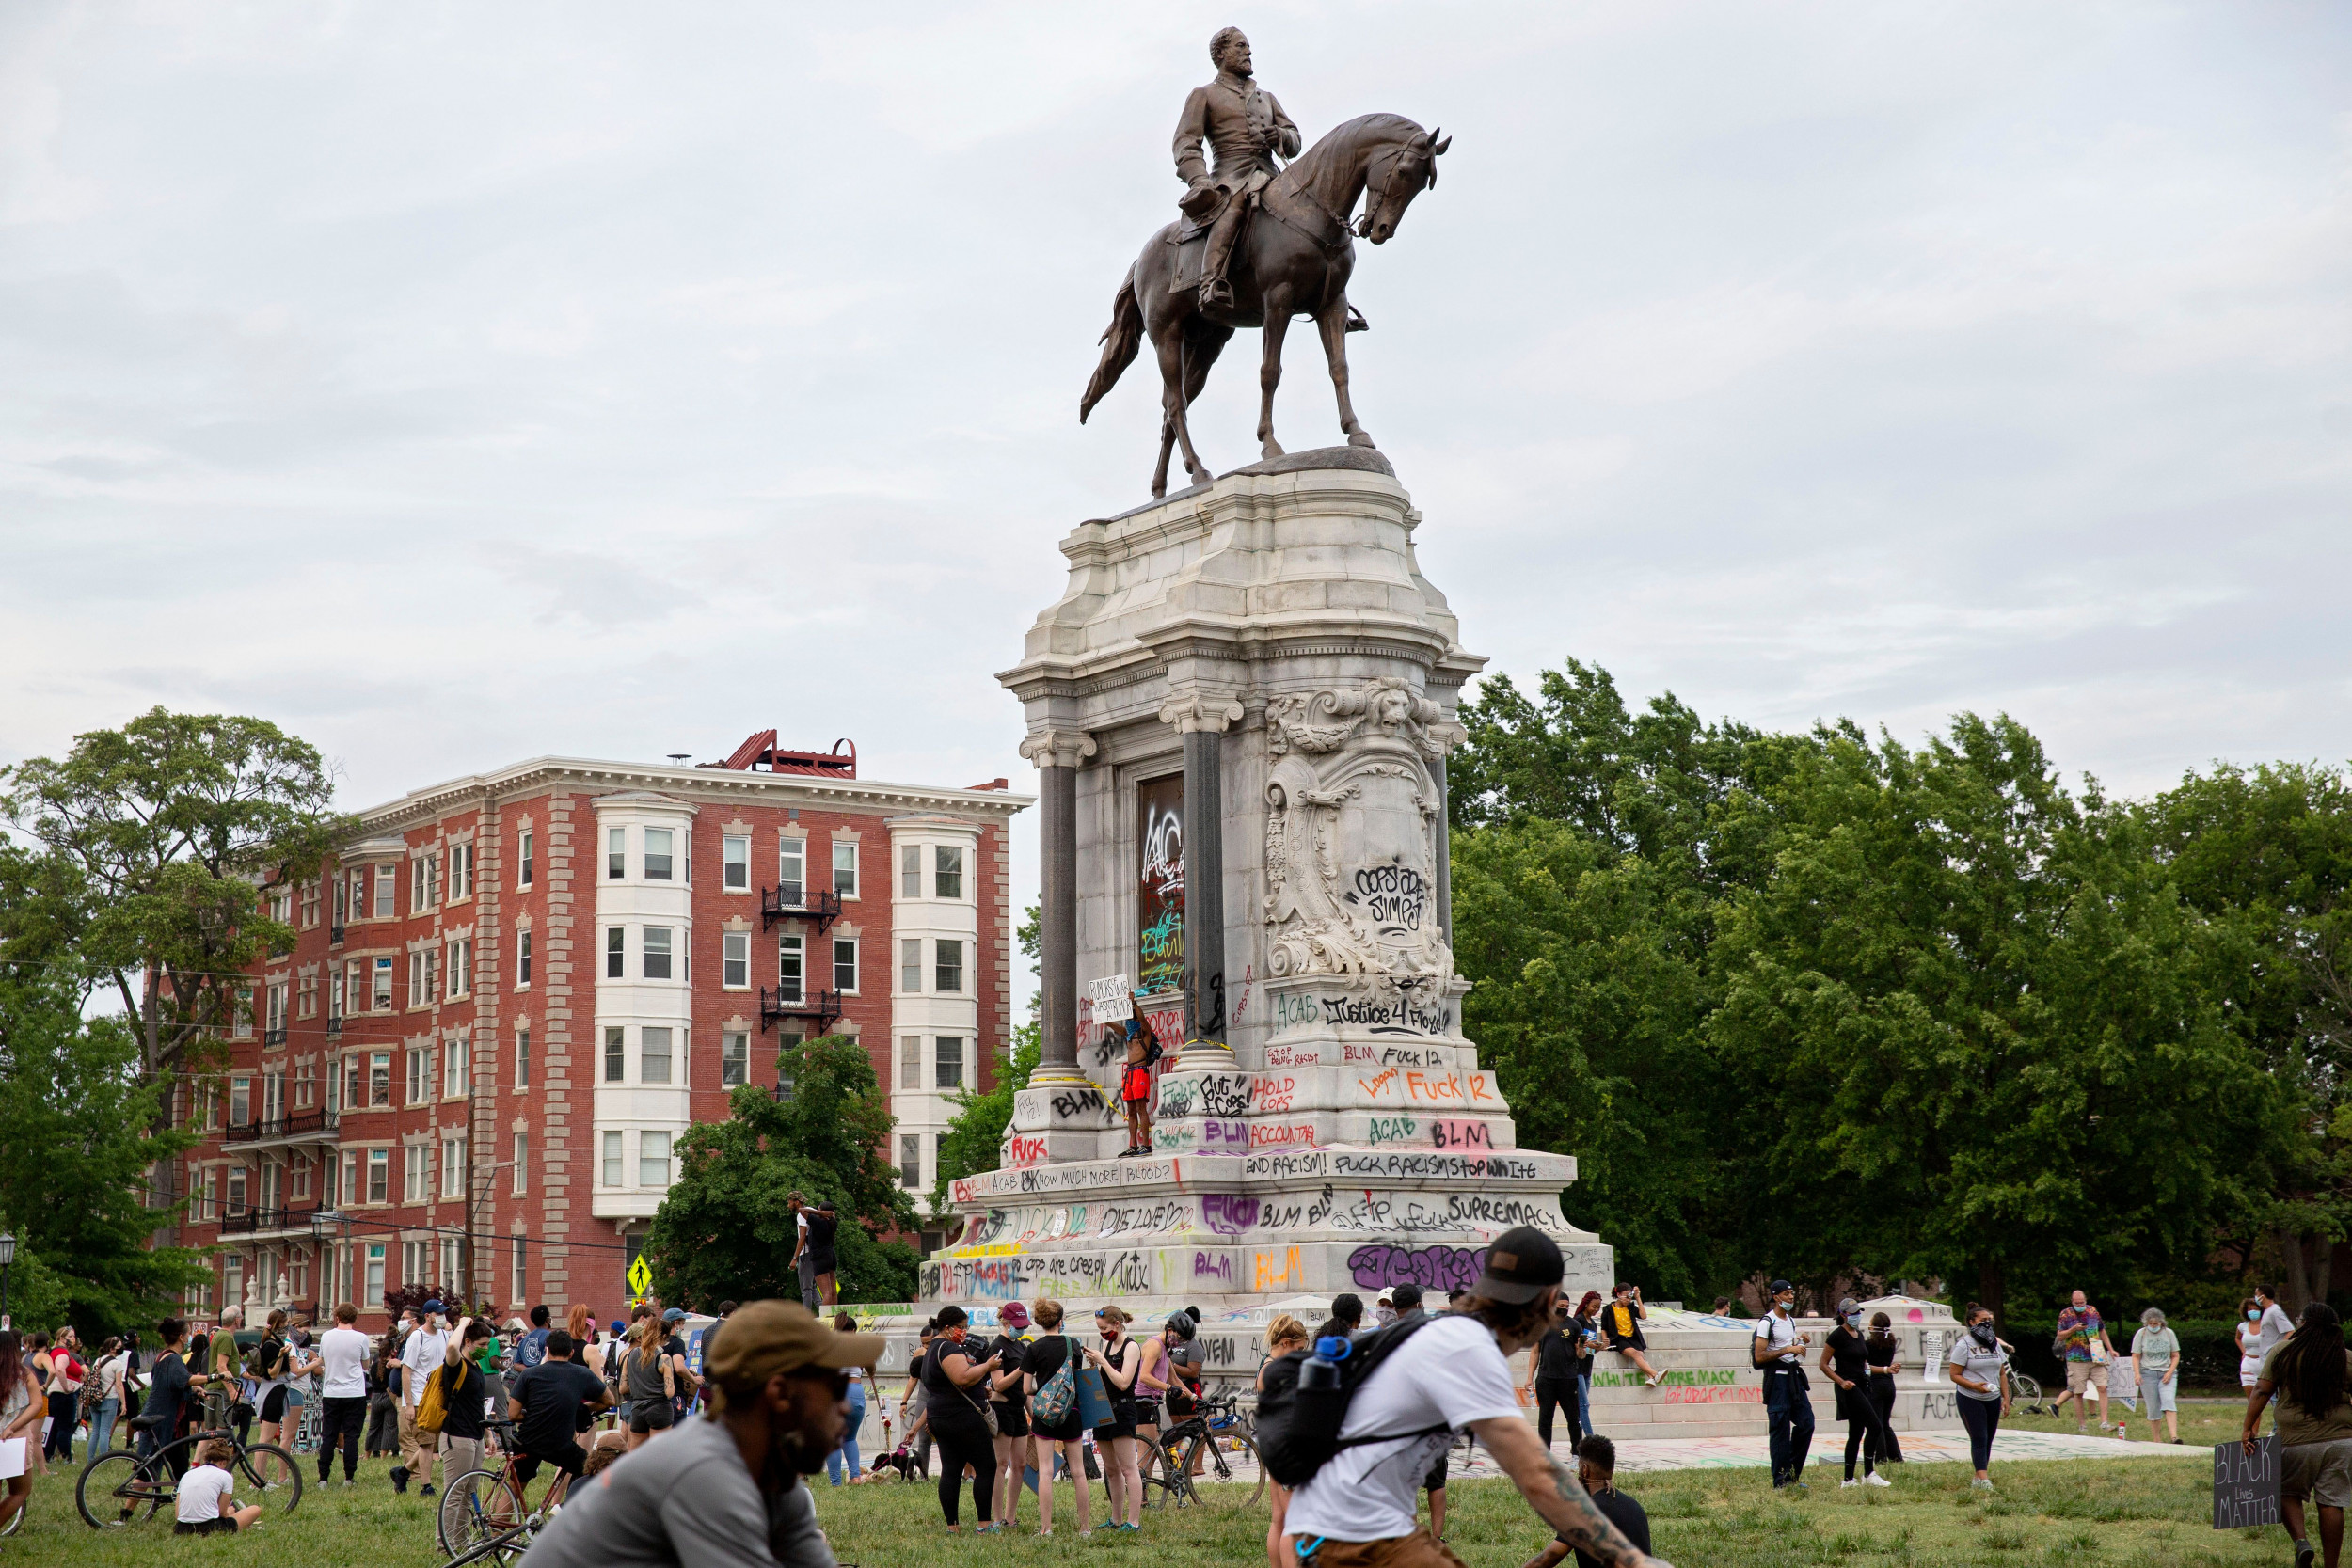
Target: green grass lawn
2127	1514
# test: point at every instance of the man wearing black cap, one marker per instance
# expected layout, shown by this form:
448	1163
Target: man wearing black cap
725	1491
1779	1349
1452	1373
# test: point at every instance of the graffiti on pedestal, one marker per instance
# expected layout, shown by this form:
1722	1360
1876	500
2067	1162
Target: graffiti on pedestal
1432	1268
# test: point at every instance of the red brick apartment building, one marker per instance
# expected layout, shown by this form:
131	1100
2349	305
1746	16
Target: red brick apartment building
512	993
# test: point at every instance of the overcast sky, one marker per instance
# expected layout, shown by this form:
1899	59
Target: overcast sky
456	382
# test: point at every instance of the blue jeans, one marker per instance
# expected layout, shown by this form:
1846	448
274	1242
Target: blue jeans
1791	1414
102	1426
848	1441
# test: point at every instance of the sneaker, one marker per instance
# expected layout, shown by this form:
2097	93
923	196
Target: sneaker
1848	1481
2303	1555
1980	1484
426	1491
1874	1478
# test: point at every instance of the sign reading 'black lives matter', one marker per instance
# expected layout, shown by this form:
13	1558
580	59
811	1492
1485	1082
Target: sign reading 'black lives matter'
2246	1485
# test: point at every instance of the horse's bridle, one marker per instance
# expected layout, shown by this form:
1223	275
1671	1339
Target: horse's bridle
1380	197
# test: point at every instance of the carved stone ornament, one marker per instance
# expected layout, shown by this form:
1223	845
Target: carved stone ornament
1058	747
1200	711
1351	848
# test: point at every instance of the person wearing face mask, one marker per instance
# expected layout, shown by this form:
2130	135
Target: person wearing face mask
1977	1367
725	1489
1779	1349
2249	1356
1120	1361
1883	1355
1845	1361
955	1406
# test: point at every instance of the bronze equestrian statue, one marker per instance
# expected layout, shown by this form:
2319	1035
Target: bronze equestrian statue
1259	244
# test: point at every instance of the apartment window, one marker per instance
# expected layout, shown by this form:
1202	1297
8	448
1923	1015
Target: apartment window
529	867
911	964
413	1162
735	961
449	1259
458	1074
380	1078
616	1054
910	1061
460	967
460	871
657	952
453	1168
382	996
244	1012
653	1159
911	1159
418	995
653	1055
734	866
735	1059
947	870
522	1058
615	954
386	878
947	974
845	869
272	1185
909	871
379	1177
237	1190
273	1096
948	1069
522	960
417	897
334	996
658	854
276	1002
420	1074
302	1175
518	1287
792	870
612	1159
374	1296
845	964
306	1085
522	1165
615	854
788	967
415	1262
240	1101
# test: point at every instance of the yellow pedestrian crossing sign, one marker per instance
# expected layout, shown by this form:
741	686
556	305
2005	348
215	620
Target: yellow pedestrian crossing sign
640	1277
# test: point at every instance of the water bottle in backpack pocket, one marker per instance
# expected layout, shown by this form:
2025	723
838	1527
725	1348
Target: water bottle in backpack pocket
1304	1403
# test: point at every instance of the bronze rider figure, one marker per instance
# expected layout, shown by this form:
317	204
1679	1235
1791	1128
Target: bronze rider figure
1246	130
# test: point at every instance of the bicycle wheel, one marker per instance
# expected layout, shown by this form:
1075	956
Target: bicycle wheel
1153	1468
476	1506
16	1520
503	1548
276	1478
116	1489
1230	1479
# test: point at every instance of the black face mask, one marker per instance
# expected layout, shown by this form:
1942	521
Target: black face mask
1983	1334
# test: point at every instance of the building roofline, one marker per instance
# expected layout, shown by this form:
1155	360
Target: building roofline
710	783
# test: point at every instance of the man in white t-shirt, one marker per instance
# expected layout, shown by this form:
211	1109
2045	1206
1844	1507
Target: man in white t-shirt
343	1392
1358	1511
2274	1326
420	1357
1779	1350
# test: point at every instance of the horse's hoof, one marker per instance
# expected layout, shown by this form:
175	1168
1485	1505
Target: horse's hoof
1272	449
1361	438
1159	492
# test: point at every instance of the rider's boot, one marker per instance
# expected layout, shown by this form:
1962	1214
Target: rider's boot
1215	294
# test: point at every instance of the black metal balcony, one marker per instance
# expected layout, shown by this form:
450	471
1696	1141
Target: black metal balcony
791	901
257	1222
823	1006
335	936
334	1027
273	1039
299	1126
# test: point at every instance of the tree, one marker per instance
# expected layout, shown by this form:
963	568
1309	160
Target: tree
726	1227
1968	1031
158	839
77	1133
975	1139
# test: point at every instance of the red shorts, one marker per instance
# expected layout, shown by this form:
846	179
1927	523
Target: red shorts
1136	1085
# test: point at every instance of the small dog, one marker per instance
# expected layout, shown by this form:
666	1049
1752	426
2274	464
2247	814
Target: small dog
904	1460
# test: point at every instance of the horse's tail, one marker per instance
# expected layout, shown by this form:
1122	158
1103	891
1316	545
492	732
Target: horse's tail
1121	340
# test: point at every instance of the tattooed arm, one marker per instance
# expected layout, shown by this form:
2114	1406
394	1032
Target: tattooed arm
1555	1492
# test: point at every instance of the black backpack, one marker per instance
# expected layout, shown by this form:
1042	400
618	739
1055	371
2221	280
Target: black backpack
1298	1433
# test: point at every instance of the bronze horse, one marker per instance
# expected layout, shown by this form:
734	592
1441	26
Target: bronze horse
1293	259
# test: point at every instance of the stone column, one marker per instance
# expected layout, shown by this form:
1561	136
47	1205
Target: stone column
1057	754
1202	718
1445	856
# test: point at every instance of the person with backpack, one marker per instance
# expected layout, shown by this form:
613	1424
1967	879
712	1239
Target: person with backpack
532	1348
1352	1428
455	1408
1135	1086
419	1354
1009	1399
1284	1335
1779	1349
1049	1374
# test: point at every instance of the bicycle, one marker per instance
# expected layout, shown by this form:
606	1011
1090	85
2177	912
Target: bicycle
2025	1393
1215	1438
487	1504
123	1486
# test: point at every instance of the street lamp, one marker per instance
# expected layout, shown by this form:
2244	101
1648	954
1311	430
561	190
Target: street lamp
8	1256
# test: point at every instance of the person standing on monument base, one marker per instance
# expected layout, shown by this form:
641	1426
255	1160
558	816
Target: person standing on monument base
1245	130
1356	1511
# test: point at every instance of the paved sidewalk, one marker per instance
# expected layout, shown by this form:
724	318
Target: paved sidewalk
1933	1446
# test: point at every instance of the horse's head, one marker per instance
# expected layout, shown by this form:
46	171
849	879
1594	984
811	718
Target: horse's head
1397	174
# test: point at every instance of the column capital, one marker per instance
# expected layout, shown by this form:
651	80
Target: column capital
1193	712
1052	748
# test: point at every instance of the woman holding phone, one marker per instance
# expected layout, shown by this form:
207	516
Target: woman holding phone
1120	1361
1979	1369
954	1405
